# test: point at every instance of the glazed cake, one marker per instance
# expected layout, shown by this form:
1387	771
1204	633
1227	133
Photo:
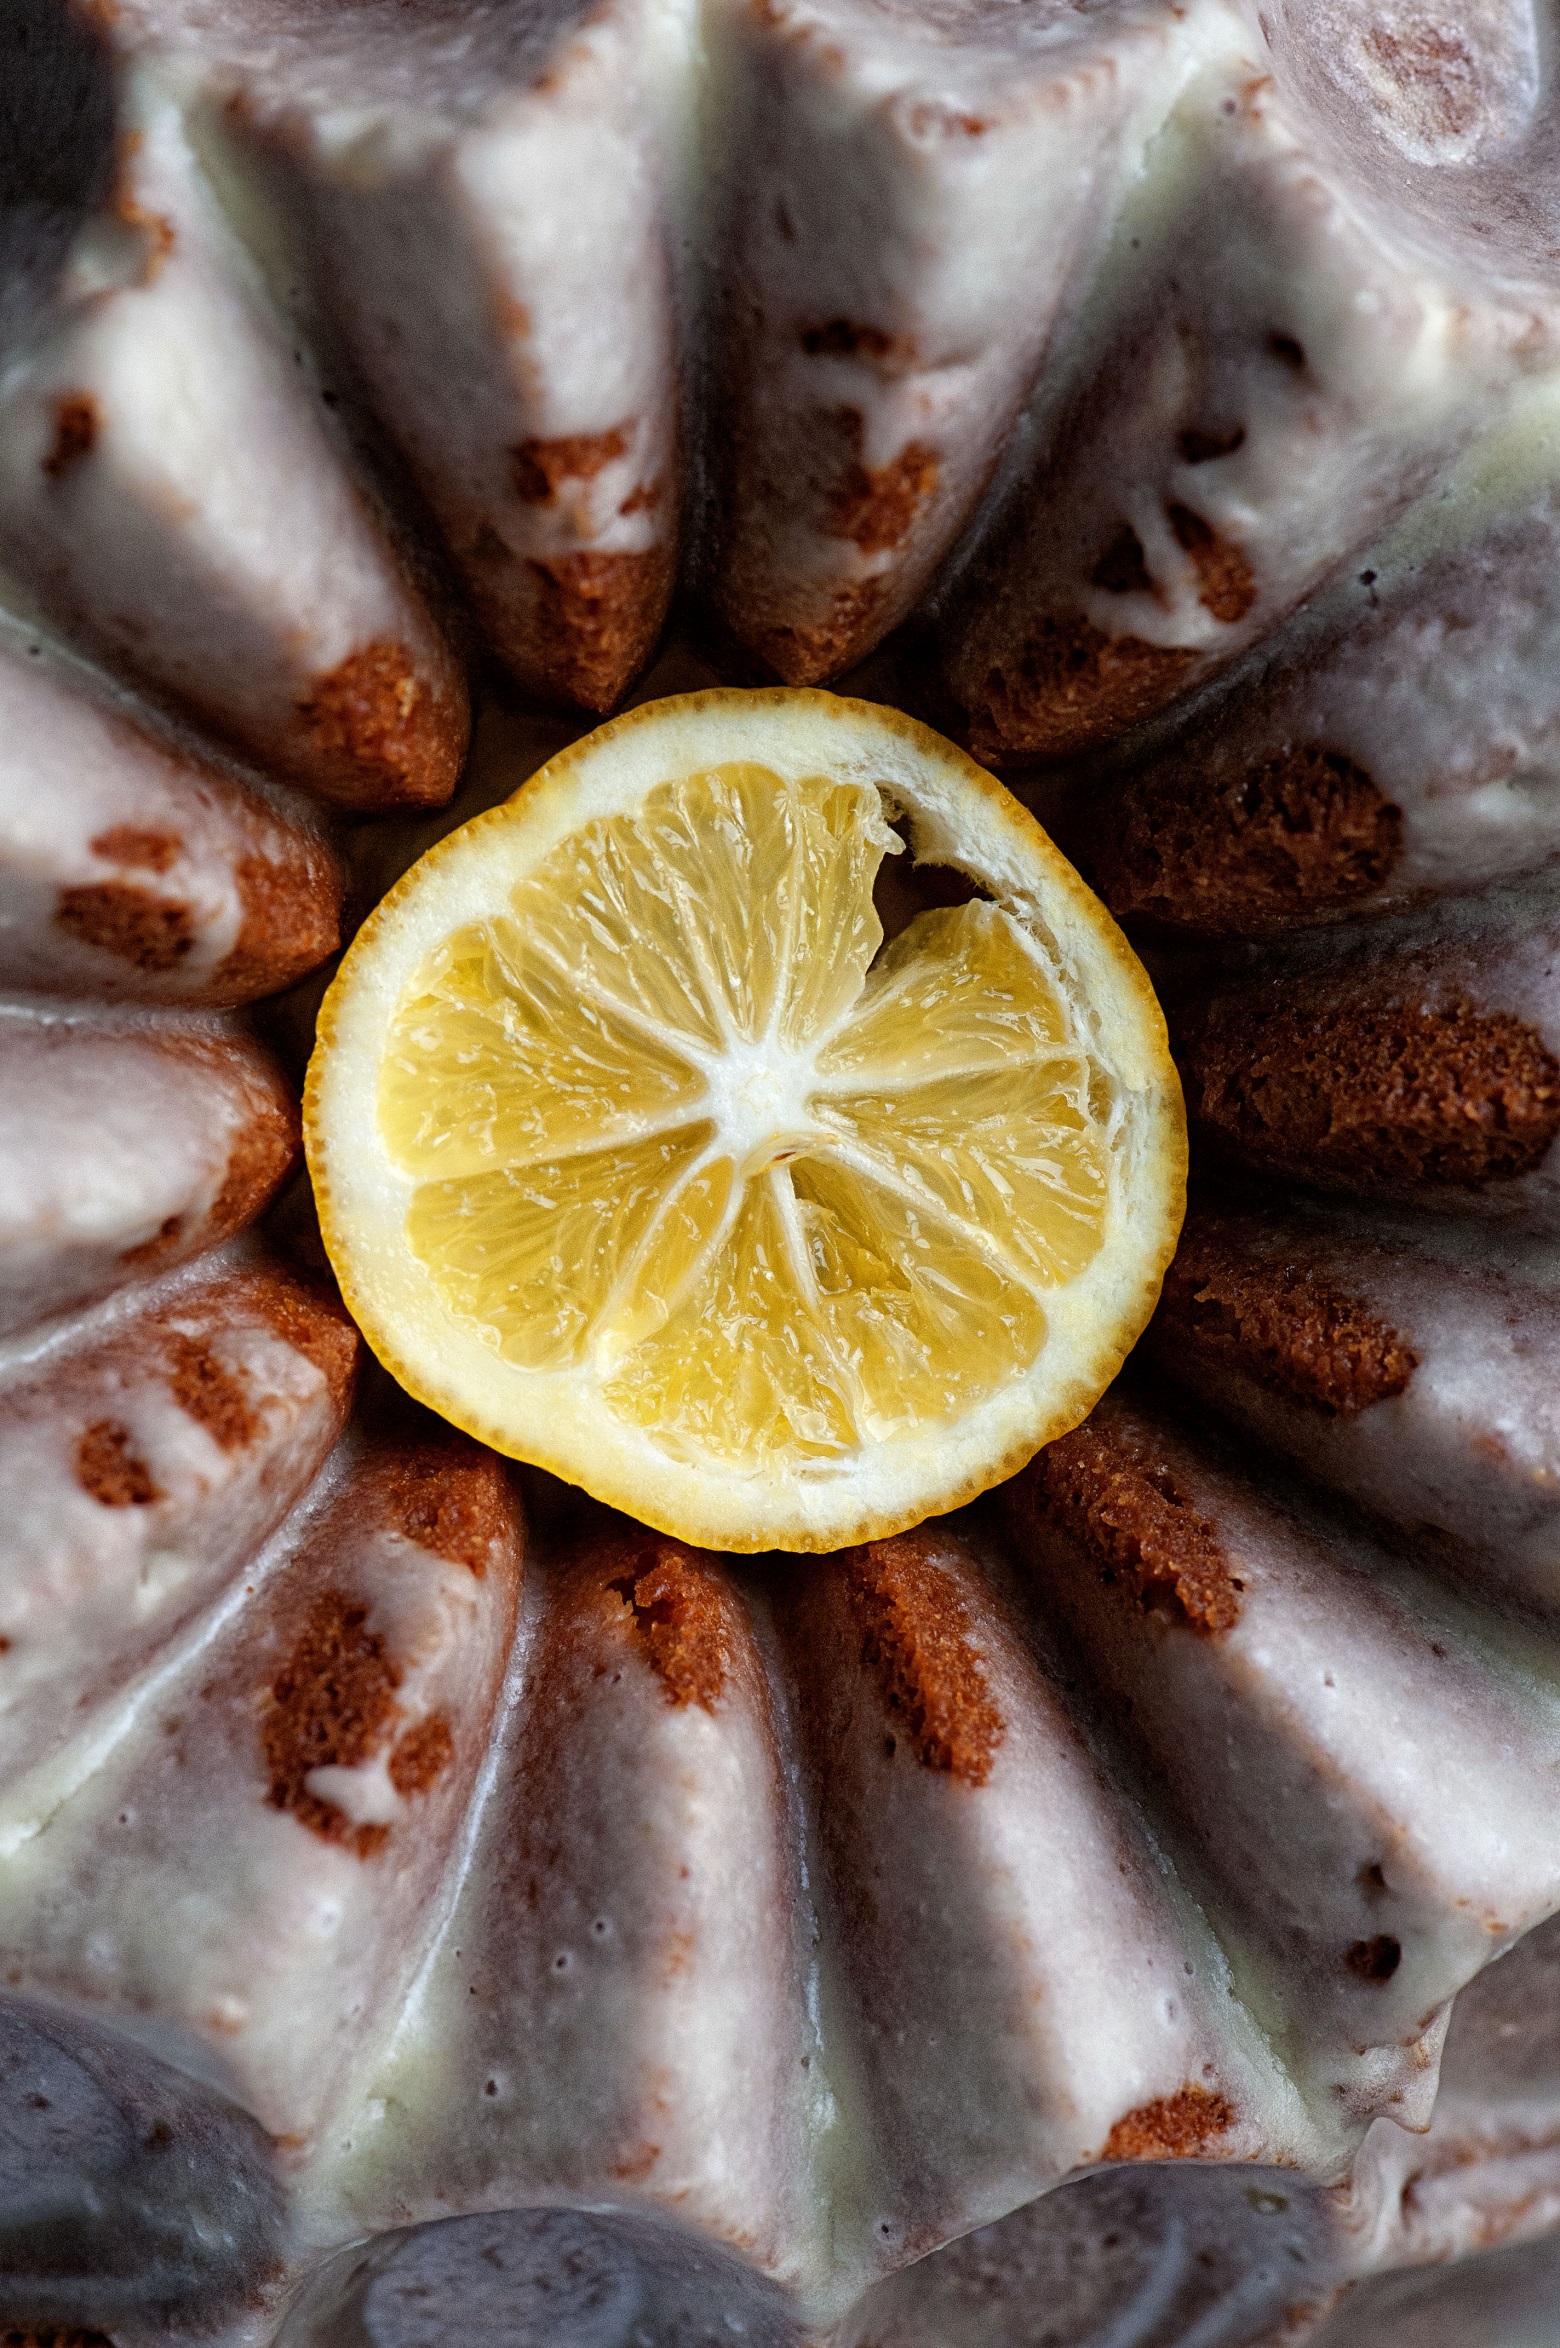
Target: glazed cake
429	1907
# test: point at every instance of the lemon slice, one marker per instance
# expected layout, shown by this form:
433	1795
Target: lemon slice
640	1155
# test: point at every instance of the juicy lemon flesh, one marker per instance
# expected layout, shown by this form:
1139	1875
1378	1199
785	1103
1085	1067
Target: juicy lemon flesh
672	1117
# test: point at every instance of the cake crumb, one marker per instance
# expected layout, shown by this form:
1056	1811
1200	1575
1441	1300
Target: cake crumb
373	713
877	509
422	1756
1279	1323
208	1391
1176	2127
1299	832
1070	686
108	1468
676	1606
1106	1488
128	843
1226	583
598	615
1377	1094
450	1498
133	924
330	1706
915	1638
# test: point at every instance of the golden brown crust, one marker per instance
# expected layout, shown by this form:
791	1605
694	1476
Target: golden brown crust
382	733
308	1316
597	621
1176	2127
807	626
264	1145
451	1497
1070	686
263	1152
1278	1321
801	654
915	1644
1374	1095
290	921
1295	835
1107	1489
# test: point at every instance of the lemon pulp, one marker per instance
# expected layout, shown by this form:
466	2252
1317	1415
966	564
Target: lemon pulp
671	1114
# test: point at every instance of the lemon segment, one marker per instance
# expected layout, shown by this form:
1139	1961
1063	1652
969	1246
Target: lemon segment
671	1176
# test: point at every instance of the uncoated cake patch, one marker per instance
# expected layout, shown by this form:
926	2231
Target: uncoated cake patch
132	924
1279	1323
1384	1096
330	1706
1105	1487
450	1498
802	654
1069	686
289	921
1176	2127
373	713
261	1154
598	613
915	1644
207	1390
311	1321
1301	833
136	844
108	1468
422	1756
1226	586
876	509
677	1605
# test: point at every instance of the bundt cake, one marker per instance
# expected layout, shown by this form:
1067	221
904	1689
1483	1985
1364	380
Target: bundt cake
431	1907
